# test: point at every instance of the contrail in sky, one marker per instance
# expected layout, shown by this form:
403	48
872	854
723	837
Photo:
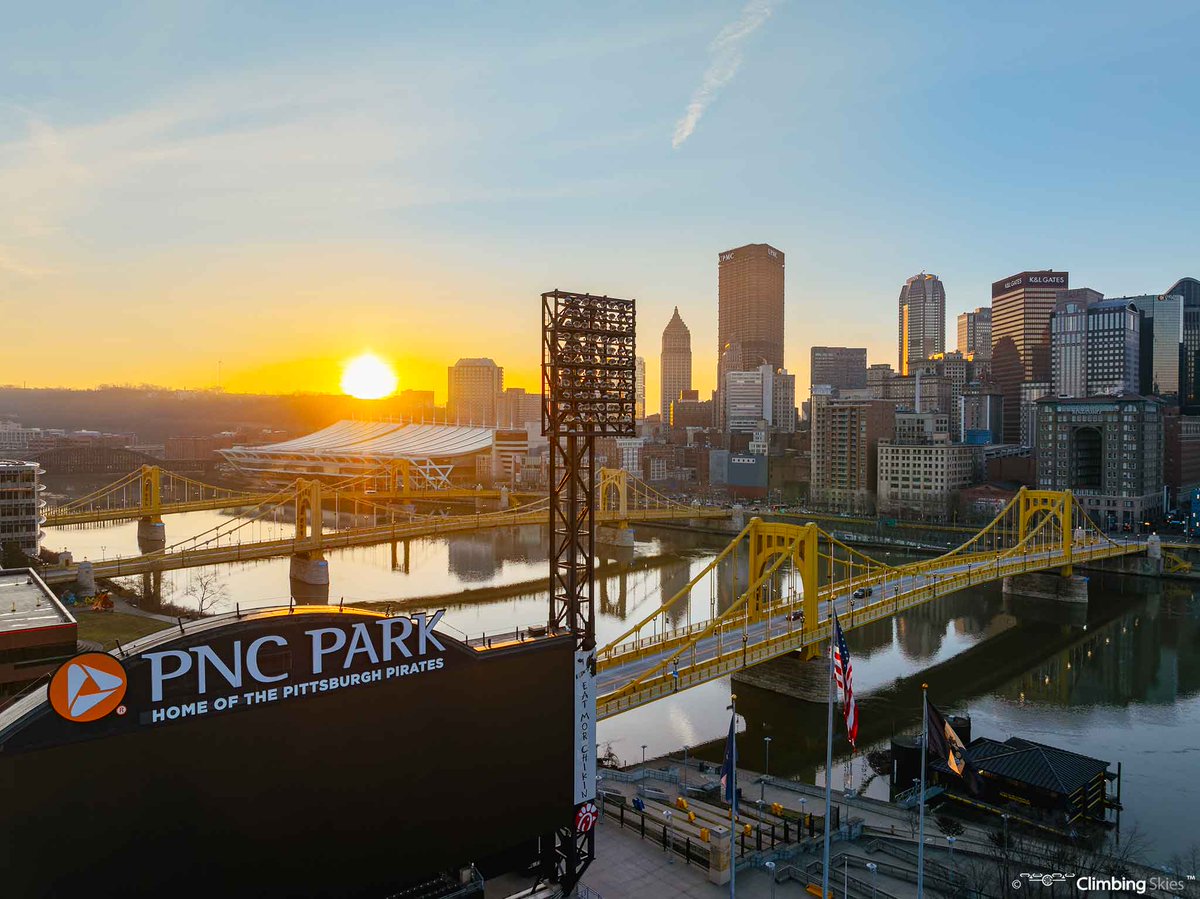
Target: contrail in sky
726	52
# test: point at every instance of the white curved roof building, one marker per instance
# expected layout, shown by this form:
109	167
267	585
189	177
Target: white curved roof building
349	448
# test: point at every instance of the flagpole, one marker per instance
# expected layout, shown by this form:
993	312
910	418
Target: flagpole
828	760
921	798
733	801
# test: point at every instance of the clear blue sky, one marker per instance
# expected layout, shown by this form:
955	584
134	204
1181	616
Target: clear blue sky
282	184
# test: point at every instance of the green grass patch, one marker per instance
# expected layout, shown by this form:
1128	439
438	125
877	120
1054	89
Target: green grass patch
106	628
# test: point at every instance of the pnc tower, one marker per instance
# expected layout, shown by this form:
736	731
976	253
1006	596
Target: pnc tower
1021	308
749	312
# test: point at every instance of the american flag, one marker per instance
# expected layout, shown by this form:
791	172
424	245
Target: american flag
843	675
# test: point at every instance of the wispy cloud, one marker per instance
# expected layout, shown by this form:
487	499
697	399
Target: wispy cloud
726	59
11	264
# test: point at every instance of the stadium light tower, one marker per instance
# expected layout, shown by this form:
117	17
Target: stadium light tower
589	365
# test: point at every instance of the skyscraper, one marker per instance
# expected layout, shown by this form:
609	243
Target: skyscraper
1069	341
1094	345
922	320
1021	310
749	312
975	333
676	363
1163	362
474	386
1189	289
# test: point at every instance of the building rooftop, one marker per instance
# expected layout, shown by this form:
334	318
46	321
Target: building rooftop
1096	400
1036	764
26	603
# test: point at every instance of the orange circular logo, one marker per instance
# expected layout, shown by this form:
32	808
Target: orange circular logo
88	687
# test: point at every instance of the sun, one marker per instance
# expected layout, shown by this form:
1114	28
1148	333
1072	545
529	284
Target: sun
367	377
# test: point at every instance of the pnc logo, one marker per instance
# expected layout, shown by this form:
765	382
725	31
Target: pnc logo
88	687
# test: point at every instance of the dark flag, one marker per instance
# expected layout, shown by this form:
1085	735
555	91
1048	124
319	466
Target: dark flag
945	745
729	766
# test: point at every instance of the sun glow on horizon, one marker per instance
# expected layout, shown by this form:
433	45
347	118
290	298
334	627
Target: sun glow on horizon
368	377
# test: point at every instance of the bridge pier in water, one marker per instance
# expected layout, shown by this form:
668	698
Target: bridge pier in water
398	563
309	578
151	533
621	534
1048	585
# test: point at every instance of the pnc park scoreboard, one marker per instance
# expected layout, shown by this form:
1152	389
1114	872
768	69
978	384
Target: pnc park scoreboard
296	752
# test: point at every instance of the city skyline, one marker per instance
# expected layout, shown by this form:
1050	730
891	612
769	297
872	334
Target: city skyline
225	173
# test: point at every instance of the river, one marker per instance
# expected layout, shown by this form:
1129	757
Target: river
1119	682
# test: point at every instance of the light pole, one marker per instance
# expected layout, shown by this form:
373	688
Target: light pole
770	866
642	779
872	867
762	793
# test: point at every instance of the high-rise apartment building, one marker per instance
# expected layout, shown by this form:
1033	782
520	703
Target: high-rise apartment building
474	387
749	311
760	395
675	363
922	320
845	443
841	367
1021	308
975	332
639	389
21	505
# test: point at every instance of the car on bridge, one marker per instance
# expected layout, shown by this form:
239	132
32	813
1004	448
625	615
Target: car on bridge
863	592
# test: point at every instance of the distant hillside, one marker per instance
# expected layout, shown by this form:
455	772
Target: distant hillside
155	414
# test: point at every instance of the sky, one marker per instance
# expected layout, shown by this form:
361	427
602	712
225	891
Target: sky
254	192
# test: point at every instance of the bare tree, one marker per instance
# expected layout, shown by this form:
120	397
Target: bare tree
207	589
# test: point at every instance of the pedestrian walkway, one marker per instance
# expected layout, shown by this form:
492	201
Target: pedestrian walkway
627	867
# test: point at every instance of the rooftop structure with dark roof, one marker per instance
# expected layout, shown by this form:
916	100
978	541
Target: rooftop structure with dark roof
1045	767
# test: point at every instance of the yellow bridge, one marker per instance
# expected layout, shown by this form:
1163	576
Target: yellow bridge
622	501
151	492
784	580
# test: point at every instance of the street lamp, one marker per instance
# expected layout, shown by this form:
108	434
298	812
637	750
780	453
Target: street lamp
671	837
872	867
642	779
770	866
766	769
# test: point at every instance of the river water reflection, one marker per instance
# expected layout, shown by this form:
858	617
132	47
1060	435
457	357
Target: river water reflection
1121	682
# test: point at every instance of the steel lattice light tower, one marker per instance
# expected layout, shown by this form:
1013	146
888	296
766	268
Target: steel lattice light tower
588	371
